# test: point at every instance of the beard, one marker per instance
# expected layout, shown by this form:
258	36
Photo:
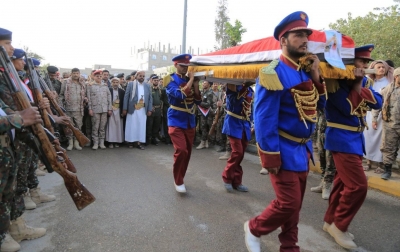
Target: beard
293	51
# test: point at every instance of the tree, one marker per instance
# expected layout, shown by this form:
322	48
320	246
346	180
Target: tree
220	25
32	54
378	27
235	32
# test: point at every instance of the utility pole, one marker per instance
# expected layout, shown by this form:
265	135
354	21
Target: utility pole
184	27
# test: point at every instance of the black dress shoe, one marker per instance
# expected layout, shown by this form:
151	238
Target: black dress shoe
154	142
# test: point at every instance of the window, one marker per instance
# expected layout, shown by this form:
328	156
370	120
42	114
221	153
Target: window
153	56
153	67
164	57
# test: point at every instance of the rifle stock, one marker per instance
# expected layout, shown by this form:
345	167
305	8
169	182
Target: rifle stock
78	192
82	139
214	124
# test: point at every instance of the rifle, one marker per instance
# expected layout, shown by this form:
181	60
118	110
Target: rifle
34	76
79	193
82	139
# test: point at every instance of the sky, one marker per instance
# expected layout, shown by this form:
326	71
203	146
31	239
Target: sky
81	33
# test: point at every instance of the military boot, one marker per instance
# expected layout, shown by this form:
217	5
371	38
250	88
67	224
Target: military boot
226	156
202	145
9	244
318	188
76	145
326	190
39	197
206	144
388	172
70	144
20	231
29	204
102	146
95	144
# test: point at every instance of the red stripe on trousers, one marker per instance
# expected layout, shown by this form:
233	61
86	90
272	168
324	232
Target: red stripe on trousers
349	190
182	139
233	171
284	211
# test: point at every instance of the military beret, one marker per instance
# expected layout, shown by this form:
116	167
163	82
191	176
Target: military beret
5	34
154	77
294	22
18	54
364	52
52	69
182	59
134	73
36	62
98	72
121	75
128	77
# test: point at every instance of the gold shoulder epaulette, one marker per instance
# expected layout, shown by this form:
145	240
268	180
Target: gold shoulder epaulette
167	79
332	85
268	77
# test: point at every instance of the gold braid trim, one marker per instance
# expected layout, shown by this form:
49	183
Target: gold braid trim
306	100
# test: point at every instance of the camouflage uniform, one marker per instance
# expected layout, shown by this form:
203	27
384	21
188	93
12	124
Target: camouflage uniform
165	106
23	159
71	97
8	167
218	131
56	85
206	121
325	156
153	122
391	123
99	101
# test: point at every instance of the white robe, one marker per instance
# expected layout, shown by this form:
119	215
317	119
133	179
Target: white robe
115	126
135	129
373	137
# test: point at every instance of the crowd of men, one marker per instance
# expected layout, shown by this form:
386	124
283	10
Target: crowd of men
132	110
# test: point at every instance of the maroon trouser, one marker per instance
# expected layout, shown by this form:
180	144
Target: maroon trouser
284	211
349	190
233	172
182	139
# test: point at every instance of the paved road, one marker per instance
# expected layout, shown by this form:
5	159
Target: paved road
137	208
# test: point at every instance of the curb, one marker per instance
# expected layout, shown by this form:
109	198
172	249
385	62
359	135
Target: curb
388	186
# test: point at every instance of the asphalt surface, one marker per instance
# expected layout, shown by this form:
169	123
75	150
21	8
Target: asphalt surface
138	209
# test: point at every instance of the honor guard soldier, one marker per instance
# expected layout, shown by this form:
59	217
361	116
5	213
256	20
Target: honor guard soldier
237	127
285	114
345	114
183	93
9	161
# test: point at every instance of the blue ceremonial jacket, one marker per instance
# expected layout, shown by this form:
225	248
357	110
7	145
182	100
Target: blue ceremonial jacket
183	98
275	109
235	97
341	108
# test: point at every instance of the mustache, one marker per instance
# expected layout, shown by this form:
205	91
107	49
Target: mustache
303	45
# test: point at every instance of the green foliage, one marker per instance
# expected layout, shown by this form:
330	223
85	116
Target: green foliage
378	27
235	32
220	25
32	54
